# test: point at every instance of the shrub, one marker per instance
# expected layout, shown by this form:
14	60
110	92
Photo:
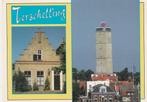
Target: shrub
35	87
20	83
47	84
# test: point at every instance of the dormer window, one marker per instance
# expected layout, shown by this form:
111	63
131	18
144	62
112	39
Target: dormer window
37	57
34	57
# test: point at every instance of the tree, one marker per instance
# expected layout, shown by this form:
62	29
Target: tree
88	74
137	78
81	75
20	83
13	66
82	91
123	75
75	91
61	51
74	73
47	84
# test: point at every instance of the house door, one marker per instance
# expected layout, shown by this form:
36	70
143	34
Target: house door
57	81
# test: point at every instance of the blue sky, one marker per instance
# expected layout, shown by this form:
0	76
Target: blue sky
23	35
123	18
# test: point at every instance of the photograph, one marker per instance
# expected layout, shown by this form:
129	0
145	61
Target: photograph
73	51
39	60
106	51
39	51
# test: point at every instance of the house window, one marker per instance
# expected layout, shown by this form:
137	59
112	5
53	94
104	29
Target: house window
37	57
27	75
110	100
39	52
40	78
103	89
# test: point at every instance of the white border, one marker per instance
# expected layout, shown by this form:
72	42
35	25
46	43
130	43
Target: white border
1	53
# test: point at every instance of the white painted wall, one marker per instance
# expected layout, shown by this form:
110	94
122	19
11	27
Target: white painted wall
93	83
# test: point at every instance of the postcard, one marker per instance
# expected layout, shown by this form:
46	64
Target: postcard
73	51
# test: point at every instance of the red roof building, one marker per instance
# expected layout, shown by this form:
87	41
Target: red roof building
125	87
103	77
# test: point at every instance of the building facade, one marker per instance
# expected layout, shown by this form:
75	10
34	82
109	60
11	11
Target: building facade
91	84
104	49
103	93
102	77
38	61
99	93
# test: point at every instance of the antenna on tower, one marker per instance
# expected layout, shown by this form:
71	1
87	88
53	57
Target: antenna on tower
103	24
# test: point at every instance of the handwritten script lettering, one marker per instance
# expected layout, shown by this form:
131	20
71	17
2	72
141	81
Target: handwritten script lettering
39	14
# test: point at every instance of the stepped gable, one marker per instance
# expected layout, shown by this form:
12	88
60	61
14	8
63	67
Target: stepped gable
39	42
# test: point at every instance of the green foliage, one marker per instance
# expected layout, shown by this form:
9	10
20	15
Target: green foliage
47	84
74	74
82	75
35	87
20	83
88	74
137	78
75	92
13	66
61	51
124	75
82	91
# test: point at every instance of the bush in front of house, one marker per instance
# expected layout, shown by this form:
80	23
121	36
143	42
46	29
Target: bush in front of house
35	87
47	84
20	83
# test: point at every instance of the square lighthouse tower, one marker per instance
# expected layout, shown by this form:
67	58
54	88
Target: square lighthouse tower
104	49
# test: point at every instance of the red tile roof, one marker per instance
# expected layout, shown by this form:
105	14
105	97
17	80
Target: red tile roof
102	77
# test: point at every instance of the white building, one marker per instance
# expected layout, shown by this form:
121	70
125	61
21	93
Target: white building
91	84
